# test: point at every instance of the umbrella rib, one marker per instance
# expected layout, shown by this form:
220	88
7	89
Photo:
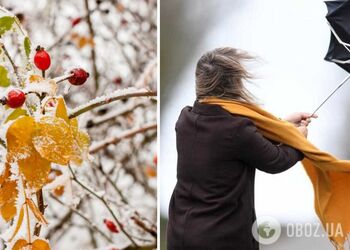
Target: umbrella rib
339	86
338	38
341	61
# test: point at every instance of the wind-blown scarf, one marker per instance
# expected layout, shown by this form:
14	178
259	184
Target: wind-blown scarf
330	176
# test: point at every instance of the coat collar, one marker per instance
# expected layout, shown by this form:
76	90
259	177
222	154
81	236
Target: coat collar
208	109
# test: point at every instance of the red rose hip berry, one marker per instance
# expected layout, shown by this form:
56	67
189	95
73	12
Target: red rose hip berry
79	76
42	59
155	159
76	21
15	98
111	226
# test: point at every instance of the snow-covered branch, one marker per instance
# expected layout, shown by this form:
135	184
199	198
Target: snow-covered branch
127	134
115	96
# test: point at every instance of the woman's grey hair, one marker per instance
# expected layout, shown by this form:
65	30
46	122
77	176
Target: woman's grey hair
221	73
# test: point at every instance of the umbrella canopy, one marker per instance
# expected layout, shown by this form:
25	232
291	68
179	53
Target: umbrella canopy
338	17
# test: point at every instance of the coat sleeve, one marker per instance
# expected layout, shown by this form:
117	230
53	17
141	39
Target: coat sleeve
257	151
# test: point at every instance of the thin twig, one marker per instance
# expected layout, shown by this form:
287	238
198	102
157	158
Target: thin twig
127	134
41	206
92	192
93	52
114	185
112	115
80	214
143	225
12	63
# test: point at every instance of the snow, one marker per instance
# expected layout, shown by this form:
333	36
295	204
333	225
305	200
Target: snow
131	61
117	94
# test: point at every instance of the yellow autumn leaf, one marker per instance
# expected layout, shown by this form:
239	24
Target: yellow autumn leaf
20	244
35	170
5	174
32	166
19	138
54	141
18	224
15	114
58	191
74	126
81	137
151	171
85	41
40	244
8	197
37	244
83	141
38	215
35	78
61	110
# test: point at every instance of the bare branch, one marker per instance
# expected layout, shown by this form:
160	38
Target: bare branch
127	134
12	63
93	52
80	214
92	192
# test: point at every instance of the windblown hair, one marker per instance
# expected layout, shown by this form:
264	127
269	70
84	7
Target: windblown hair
220	73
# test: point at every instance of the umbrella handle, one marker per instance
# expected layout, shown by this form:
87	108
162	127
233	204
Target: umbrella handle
339	86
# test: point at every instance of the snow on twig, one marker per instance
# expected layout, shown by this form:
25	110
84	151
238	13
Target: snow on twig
127	134
114	96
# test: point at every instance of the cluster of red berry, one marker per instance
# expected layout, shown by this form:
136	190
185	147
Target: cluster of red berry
16	97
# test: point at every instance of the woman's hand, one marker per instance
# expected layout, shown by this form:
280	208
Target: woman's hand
303	129
299	119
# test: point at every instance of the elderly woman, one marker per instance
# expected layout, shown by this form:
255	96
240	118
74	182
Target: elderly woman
212	206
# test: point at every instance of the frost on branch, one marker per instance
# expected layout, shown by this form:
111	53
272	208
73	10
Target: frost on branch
62	178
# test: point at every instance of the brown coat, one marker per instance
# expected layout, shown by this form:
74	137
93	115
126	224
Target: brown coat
212	206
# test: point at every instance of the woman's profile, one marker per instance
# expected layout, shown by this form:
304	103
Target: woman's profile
212	205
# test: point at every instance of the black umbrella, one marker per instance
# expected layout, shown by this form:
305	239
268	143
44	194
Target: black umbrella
338	18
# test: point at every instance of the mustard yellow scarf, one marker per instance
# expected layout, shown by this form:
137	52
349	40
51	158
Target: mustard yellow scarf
330	176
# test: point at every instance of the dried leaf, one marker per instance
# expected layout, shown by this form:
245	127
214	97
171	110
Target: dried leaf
150	171
38	215
8	197
85	41
59	191
82	41
120	8
18	224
